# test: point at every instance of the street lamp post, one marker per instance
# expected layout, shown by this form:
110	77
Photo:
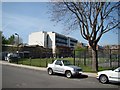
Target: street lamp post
18	41
17	45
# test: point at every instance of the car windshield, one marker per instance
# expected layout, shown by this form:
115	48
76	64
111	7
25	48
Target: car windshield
66	62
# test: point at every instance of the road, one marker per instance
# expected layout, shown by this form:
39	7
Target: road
16	77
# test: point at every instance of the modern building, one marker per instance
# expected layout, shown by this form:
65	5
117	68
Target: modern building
58	42
38	38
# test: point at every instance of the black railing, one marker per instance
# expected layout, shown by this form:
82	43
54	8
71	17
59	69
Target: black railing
106	58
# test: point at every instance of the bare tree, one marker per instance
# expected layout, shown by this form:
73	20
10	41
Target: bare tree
93	19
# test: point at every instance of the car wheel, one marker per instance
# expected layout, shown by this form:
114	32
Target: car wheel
103	79
50	71
68	74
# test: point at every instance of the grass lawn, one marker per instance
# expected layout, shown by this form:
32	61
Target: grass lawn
36	62
43	62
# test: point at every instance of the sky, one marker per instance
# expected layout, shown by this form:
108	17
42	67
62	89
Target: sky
25	18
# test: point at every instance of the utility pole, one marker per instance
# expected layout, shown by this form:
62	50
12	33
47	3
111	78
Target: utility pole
17	46
18	41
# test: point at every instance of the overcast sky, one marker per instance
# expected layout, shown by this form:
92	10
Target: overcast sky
27	17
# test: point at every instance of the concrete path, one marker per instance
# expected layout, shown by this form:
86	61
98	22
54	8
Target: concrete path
40	68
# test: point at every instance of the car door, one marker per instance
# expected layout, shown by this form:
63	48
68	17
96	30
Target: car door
115	75
58	67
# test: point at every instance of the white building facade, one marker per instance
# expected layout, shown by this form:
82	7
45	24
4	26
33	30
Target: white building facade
38	38
51	40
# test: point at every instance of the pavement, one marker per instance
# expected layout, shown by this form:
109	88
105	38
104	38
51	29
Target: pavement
17	77
39	68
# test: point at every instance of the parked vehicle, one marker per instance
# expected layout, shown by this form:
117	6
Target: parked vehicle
109	75
4	55
12	57
63	67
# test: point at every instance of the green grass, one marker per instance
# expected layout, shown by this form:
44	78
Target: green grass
86	68
43	62
106	68
36	62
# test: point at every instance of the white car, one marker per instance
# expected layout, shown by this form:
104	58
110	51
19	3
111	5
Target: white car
63	67
109	75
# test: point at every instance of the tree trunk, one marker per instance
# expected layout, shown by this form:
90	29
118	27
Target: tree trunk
94	60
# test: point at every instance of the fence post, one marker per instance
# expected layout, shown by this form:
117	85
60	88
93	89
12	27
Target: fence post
46	62
40	59
17	60
110	59
118	61
118	57
85	57
30	61
74	57
46	57
40	62
22	60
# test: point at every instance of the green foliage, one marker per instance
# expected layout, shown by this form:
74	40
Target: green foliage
10	40
79	49
4	40
105	68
